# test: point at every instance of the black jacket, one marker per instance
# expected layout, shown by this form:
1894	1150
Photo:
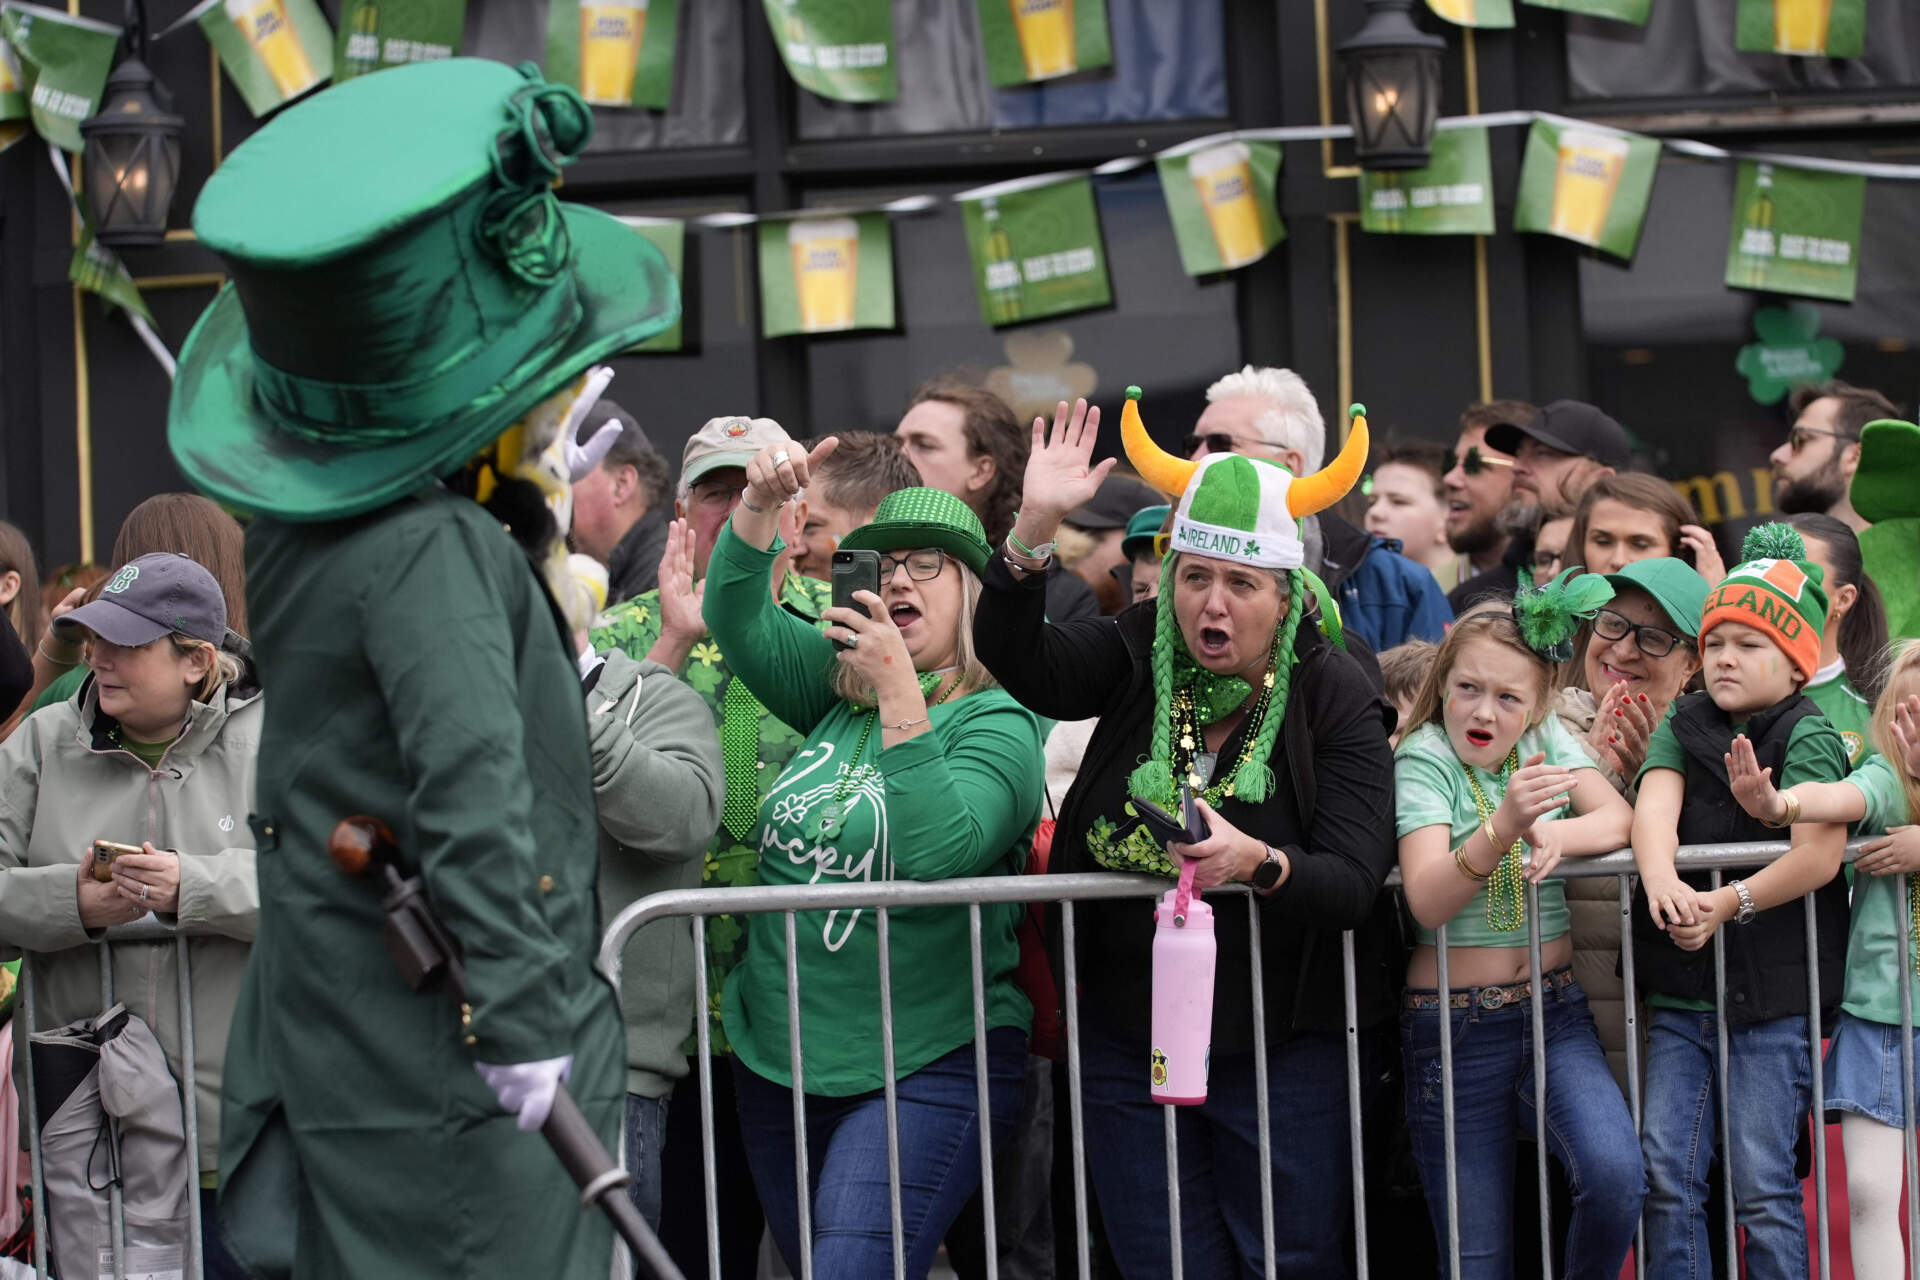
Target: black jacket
634	567
1497	583
16	668
1332	813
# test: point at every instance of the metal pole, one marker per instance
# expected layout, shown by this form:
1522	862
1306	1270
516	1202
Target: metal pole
38	1172
1082	1246
1446	1099
1722	1070
1819	1092
1173	1192
196	1257
1261	1101
703	1050
1355	1136
893	1101
981	1091
116	1205
1906	1076
803	1191
1539	1017
1633	1048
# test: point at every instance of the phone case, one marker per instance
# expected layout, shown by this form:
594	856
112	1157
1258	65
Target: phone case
854	571
1169	829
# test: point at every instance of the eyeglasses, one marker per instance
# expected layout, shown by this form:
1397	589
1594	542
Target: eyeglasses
1655	642
1547	558
1475	462
923	565
1797	439
717	493
1222	442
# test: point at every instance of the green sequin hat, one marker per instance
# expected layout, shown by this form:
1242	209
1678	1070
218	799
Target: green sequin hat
405	287
924	518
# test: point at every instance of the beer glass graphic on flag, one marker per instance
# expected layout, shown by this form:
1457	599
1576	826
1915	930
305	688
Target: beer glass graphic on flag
1585	179
1223	175
1045	29
1800	26
273	38
826	268
611	32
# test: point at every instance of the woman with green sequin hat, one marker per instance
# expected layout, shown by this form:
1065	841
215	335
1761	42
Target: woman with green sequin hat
1233	682
916	766
1491	791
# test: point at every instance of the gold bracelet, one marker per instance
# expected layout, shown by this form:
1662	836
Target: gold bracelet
1499	851
1793	808
1467	868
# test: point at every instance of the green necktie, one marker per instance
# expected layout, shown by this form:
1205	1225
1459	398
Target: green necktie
740	750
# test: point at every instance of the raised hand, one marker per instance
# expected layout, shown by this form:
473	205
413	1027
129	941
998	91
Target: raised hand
1906	734
1633	721
1535	790
680	595
779	471
1706	553
1753	786
1061	473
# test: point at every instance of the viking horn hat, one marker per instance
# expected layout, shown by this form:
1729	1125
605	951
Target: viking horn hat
1230	506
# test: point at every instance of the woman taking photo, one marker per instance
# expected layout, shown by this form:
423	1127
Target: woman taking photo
1225	682
156	754
915	768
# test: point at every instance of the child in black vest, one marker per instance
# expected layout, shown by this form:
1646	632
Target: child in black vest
1760	642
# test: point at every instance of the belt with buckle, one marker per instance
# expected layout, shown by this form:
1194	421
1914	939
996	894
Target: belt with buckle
1489	998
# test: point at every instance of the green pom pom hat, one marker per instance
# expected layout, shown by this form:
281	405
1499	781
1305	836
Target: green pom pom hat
1777	590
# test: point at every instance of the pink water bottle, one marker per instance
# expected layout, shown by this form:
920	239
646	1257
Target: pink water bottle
1183	958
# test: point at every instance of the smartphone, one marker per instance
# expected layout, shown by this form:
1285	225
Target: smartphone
1186	826
104	852
854	571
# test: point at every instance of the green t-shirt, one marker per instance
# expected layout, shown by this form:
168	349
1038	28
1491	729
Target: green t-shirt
63	687
1844	709
1815	753
1872	989
149	752
961	799
1430	789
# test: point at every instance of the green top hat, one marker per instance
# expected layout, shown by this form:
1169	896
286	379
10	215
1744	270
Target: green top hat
404	288
924	518
1883	486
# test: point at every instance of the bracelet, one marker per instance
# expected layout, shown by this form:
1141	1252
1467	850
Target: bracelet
759	511
1499	850
58	662
1467	868
1792	802
905	724
1043	552
1026	564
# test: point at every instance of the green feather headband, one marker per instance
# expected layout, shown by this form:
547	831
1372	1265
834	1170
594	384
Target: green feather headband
1549	614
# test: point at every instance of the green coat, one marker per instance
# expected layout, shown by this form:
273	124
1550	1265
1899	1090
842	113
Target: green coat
419	675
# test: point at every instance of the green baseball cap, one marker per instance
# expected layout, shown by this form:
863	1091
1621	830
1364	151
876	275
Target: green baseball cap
404	287
924	518
1142	529
1675	586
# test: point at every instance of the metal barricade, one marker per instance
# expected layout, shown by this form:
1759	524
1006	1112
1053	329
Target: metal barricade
972	894
146	930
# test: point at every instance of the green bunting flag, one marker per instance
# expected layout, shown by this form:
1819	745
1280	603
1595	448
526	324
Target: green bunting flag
1452	196
669	236
1220	196
1474	13
839	49
1586	183
63	63
1805	28
826	274
1032	40
617	53
13	99
1036	248
98	270
273	50
1634	11
390	33
1796	231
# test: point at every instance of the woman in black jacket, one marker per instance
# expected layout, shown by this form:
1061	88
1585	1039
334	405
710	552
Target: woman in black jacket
1226	682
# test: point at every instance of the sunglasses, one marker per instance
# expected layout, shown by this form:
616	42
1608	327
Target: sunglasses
1221	442
1801	437
1475	462
1655	642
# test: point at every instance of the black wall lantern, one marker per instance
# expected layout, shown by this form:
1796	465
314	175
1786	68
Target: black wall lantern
1393	87
133	149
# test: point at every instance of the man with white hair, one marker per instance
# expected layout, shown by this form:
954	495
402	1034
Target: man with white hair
1385	598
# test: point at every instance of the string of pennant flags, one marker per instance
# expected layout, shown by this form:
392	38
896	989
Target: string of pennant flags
1035	242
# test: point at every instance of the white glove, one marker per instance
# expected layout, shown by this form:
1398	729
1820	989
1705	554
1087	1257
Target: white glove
526	1088
583	458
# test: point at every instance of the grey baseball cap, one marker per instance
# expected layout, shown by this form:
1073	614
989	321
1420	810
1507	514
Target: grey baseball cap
153	596
727	442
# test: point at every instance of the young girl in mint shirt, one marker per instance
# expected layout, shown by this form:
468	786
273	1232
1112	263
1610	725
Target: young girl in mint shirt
916	767
1863	1073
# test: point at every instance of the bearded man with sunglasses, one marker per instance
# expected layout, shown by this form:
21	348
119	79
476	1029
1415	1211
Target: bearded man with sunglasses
1478	483
1814	468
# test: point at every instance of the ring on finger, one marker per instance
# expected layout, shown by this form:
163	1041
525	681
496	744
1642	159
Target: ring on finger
853	639
780	457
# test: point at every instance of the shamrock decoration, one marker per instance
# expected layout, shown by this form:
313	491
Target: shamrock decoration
1788	353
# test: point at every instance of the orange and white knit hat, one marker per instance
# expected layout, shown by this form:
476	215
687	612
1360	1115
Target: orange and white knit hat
1774	589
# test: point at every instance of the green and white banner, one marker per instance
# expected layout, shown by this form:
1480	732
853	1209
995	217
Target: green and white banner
1474	13
839	49
1586	183
1030	40
669	236
1807	28
391	33
62	66
826	273
98	270
1796	231
13	99
617	53
1220	195
1036	247
272	50
1634	11
1452	196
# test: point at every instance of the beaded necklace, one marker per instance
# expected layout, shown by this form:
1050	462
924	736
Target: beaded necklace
1506	899
831	818
1188	725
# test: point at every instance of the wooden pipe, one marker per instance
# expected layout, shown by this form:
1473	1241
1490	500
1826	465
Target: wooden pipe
358	842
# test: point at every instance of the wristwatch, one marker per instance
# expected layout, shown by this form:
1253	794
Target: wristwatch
1747	913
1266	876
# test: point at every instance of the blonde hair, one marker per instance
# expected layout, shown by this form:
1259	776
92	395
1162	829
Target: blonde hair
1487	622
223	670
1902	678
974	675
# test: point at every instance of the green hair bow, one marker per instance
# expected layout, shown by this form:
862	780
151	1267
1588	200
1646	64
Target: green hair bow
1550	614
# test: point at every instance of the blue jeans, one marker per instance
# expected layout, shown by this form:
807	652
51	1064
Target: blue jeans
646	1137
1218	1148
1589	1131
939	1120
1771	1086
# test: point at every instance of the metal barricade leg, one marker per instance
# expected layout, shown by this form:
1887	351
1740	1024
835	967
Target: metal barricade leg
982	1090
803	1185
893	1101
1819	1122
1906	1077
38	1172
1355	1135
1446	1100
116	1206
1083	1246
196	1255
1633	1047
1261	1102
1538	1017
1723	1069
1173	1192
703	1050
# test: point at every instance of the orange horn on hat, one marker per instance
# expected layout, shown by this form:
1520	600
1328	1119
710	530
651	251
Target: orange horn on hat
1329	484
1168	474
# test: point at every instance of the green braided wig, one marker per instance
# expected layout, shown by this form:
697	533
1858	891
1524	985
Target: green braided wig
1253	780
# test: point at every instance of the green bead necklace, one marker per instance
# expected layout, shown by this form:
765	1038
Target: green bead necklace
1187	725
1506	893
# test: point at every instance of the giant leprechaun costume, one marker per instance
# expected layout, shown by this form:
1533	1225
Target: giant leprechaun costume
1886	490
407	291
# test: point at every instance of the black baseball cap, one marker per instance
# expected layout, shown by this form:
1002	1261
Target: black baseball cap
605	411
1119	497
1571	426
151	597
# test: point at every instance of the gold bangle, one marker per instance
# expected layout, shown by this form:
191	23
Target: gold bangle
1793	808
1467	868
1499	851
